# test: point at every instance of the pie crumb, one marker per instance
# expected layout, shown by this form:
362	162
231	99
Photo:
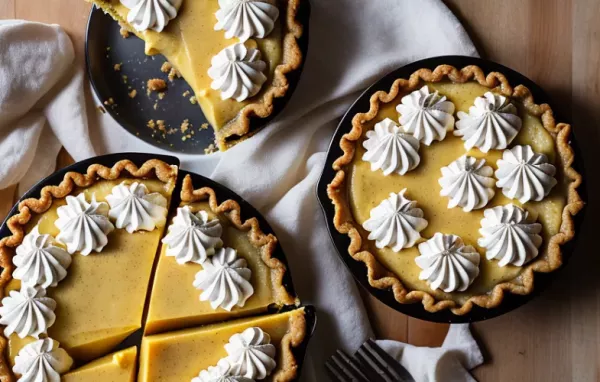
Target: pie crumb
117	67
185	125
124	32
166	67
161	125
193	100
151	124
210	149
186	93
155	105
109	102
156	85
174	73
161	95
204	126
124	79
132	93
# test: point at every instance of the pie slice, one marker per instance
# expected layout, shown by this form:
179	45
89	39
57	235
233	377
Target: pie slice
116	367
191	44
178	305
182	355
81	258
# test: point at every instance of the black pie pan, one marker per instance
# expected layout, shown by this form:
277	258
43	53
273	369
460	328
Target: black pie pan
222	193
341	242
105	47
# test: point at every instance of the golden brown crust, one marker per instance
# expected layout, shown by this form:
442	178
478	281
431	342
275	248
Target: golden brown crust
292	60
152	168
379	276
292	339
265	242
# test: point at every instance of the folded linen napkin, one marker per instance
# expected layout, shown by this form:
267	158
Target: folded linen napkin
353	43
41	102
450	362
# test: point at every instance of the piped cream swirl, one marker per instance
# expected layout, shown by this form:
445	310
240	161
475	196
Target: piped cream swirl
83	226
396	222
508	237
525	175
135	208
251	354
245	19
492	123
192	237
427	116
237	72
222	372
468	183
151	14
447	263
391	150
39	261
27	312
225	280
41	361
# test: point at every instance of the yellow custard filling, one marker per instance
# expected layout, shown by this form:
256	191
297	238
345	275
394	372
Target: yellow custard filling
177	305
366	189
116	367
101	301
189	42
180	356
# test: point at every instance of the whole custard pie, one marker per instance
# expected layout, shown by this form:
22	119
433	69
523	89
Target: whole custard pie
455	188
235	54
105	258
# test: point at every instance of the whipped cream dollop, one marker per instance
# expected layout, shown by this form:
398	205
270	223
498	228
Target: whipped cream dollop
468	183
525	175
492	123
447	263
27	312
508	237
391	150
135	208
151	14
224	280
193	237
238	72
41	361
39	261
222	372
83	226
245	19
251	354
427	116
396	222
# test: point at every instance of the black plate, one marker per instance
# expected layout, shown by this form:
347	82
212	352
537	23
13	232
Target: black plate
341	241
222	193
105	47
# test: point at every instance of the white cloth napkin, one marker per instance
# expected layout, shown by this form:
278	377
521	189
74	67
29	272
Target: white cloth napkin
41	107
451	362
353	42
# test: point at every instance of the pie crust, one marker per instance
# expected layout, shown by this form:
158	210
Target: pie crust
382	278
240	128
153	168
267	243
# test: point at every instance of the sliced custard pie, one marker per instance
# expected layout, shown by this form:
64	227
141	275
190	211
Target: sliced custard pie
235	54
104	261
454	188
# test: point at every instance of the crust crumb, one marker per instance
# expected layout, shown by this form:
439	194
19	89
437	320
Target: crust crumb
109	102
160	124
173	74
133	93
161	95
204	126
210	149
156	85
151	124
186	93
166	67
193	100
185	125
117	67
124	32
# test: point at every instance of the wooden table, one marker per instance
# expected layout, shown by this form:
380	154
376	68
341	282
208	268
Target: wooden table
556	43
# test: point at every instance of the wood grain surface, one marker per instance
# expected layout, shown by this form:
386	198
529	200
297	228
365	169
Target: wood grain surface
556	43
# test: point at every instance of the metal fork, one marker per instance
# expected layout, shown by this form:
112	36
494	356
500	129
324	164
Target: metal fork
369	364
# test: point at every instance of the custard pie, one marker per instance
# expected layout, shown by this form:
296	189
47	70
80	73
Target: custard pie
454	188
102	260
235	54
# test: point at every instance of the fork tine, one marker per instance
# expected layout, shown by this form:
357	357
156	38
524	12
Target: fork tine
388	368
344	368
